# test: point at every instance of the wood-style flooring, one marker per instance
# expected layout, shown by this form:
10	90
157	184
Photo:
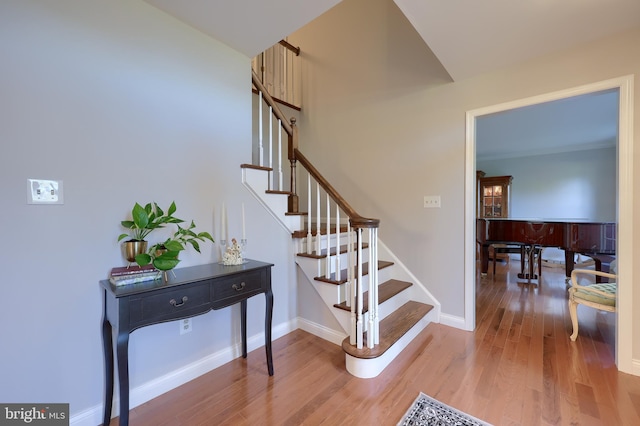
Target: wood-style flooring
517	368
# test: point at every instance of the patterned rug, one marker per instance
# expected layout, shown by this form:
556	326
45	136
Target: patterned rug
426	411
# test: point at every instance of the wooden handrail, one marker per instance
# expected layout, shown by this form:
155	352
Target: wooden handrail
267	97
290	46
357	221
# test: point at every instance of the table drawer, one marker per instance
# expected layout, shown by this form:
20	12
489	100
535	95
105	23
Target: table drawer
231	290
174	303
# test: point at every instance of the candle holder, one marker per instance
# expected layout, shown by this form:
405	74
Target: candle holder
243	246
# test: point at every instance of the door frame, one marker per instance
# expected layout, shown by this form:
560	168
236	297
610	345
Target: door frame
624	250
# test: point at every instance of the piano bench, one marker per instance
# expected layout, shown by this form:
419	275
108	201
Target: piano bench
505	248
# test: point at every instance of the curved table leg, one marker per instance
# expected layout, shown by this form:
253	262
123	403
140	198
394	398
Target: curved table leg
107	344
267	329
243	326
122	349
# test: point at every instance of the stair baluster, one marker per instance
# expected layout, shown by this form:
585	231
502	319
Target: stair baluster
327	263
318	238
309	236
338	266
260	146
280	186
271	177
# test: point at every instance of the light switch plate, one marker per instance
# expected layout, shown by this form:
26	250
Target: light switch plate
44	191
431	201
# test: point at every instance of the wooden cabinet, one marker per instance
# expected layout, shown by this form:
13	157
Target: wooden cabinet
494	196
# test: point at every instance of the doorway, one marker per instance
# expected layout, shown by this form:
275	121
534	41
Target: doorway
624	214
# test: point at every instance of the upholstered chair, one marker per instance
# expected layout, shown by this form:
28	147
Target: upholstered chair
599	296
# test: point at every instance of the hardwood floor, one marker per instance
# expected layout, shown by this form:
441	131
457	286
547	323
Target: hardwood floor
518	368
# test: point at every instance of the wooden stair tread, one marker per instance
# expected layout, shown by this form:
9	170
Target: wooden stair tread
273	191
365	270
386	291
253	166
392	328
323	252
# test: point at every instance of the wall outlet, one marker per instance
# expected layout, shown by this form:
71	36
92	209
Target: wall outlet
185	326
431	201
44	191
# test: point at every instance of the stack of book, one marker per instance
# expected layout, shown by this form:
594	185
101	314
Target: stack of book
132	274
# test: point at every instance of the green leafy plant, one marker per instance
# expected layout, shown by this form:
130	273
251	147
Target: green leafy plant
164	256
146	219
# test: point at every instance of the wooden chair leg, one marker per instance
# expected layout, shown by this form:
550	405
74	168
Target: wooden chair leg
573	311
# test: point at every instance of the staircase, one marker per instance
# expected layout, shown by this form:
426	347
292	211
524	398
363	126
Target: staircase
380	309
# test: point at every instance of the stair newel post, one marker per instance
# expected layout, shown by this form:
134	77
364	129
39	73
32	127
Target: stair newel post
372	289
373	243
349	287
293	146
359	291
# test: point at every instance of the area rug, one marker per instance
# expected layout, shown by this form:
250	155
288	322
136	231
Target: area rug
426	411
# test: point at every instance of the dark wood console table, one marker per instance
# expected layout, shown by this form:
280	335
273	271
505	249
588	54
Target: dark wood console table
192	291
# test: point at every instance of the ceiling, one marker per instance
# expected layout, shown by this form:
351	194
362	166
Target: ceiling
248	26
468	37
474	37
582	122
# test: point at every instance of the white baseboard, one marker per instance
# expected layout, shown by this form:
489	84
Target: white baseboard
452	321
156	387
333	336
635	367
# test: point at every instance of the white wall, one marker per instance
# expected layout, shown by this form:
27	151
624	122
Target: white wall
571	185
124	104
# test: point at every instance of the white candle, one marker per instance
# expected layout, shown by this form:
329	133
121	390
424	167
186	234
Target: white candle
223	224
244	233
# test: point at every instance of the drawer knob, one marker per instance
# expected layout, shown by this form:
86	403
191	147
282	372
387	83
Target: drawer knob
237	287
173	302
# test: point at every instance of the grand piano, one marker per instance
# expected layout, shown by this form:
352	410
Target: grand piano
589	238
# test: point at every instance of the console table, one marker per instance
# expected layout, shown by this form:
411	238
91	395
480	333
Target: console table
192	291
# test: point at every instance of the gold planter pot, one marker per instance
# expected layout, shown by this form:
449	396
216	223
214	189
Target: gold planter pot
134	248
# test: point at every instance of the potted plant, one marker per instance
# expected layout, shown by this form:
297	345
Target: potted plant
143	221
164	256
